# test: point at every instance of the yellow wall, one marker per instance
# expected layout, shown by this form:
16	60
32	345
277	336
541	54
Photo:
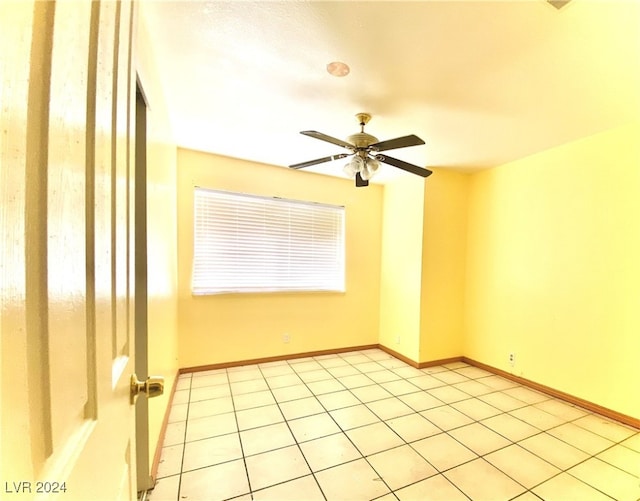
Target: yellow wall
423	266
231	327
553	273
536	257
162	280
401	268
444	243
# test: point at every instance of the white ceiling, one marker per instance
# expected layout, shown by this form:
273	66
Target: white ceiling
481	82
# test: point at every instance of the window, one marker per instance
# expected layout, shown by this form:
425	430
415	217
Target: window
249	243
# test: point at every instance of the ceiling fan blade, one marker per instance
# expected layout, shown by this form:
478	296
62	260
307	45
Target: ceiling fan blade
401	164
361	182
302	165
329	139
399	142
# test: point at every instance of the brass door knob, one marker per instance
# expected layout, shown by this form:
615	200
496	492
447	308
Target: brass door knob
152	387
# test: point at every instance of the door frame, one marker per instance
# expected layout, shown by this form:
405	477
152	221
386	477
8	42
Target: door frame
143	476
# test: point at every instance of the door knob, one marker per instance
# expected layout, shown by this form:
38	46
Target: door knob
152	386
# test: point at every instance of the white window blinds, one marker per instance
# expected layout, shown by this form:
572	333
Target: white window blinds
248	243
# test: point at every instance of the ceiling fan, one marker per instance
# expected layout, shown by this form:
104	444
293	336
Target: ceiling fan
365	148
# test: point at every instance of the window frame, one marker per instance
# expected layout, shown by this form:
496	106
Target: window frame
317	244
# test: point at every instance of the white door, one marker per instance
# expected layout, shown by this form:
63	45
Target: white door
67	291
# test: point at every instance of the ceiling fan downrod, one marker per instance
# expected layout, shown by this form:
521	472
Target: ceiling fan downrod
363	119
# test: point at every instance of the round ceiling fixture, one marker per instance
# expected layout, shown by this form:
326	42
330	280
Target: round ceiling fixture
338	69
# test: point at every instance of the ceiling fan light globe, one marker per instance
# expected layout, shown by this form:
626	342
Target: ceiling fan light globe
354	166
373	165
349	170
370	168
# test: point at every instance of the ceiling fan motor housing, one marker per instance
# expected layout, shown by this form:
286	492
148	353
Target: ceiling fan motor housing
362	139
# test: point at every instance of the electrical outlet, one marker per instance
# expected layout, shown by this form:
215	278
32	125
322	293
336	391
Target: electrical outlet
512	359
286	338
397	339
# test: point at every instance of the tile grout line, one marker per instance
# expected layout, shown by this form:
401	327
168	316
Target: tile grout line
184	443
343	432
286	421
235	416
301	417
438	472
527	404
561	470
474	421
375	383
445	384
442	431
541	431
511	442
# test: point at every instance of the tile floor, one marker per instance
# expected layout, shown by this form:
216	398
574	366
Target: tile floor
364	425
